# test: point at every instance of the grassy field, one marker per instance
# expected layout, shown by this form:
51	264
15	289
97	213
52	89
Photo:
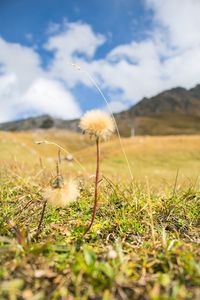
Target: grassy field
159	158
145	240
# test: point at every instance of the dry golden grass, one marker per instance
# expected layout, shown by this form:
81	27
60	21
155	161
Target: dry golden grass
159	158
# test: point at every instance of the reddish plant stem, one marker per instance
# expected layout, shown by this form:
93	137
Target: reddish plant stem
96	189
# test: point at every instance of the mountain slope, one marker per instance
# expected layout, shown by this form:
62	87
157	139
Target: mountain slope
176	111
41	122
177	100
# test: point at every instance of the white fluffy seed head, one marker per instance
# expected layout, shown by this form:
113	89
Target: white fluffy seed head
98	124
62	197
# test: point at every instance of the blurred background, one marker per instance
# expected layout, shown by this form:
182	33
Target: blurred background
133	49
145	57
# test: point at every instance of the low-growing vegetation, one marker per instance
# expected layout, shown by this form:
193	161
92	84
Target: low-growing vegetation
144	242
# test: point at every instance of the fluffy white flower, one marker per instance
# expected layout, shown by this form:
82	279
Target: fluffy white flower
97	123
62	196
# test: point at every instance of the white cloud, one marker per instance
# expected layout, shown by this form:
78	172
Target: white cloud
48	96
180	19
25	88
134	68
169	57
115	106
8	97
22	61
75	40
53	28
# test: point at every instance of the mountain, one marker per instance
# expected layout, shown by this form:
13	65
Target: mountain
41	122
175	111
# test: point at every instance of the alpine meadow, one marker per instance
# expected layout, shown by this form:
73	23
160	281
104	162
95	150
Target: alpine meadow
100	150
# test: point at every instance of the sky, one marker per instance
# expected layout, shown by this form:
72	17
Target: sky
55	53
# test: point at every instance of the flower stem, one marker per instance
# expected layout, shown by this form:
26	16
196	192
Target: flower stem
41	219
96	188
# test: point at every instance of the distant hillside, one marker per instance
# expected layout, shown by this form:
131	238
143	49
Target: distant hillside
41	122
176	111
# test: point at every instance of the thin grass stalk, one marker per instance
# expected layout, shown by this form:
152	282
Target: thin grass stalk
175	184
64	150
96	188
41	163
41	219
150	212
93	81
59	156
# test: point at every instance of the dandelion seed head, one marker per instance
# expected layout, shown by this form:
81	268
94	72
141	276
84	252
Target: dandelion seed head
62	196
97	123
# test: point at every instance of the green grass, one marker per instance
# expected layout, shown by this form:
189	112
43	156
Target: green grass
129	253
145	241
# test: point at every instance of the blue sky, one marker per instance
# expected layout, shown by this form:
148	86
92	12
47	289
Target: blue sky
131	48
120	20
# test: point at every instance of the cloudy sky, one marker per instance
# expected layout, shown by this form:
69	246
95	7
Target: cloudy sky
131	48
